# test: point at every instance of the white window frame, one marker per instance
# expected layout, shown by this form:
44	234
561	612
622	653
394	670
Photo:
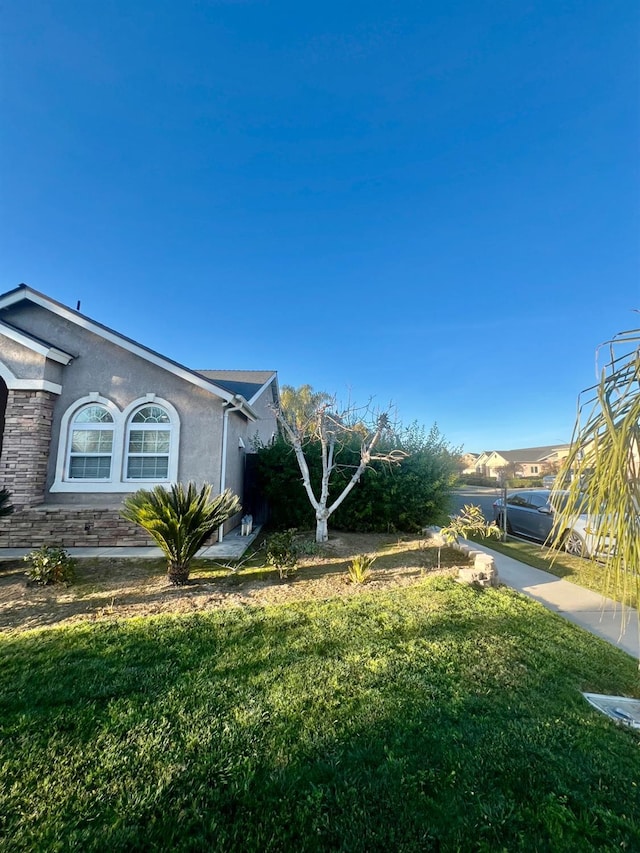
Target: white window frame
173	428
117	481
91	427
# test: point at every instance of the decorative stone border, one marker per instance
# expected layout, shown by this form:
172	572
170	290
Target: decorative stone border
482	572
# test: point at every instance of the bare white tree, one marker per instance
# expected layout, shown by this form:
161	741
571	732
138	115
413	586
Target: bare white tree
333	427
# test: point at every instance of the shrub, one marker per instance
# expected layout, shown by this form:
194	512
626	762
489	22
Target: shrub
524	482
49	566
307	547
388	498
282	552
5	507
360	568
179	520
478	480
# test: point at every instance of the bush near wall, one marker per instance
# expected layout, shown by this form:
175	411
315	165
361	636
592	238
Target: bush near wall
403	497
477	480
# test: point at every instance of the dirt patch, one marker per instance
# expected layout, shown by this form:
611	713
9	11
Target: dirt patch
109	588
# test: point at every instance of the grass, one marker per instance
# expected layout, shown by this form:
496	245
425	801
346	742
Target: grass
587	573
432	717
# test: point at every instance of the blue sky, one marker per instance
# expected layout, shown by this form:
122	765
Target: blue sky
431	203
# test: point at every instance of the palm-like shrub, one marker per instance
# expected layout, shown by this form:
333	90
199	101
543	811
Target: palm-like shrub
359	569
179	520
603	467
5	507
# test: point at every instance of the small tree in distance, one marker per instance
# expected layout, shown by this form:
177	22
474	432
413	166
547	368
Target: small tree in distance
333	427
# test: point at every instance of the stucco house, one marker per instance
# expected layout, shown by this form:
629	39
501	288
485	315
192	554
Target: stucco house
526	462
88	415
467	462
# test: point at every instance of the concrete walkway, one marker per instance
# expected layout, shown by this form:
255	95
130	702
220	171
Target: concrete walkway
232	547
590	610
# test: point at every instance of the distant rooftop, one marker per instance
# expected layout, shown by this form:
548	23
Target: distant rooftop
530	454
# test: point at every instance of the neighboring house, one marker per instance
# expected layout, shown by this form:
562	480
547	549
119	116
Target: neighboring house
467	463
88	415
527	462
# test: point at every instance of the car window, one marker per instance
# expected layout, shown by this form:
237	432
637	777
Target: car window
538	499
558	500
517	500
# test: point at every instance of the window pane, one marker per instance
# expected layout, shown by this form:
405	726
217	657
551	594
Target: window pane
94	415
149	441
151	415
91	441
89	467
148	467
539	500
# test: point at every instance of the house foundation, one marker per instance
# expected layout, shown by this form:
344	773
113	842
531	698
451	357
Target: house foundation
70	527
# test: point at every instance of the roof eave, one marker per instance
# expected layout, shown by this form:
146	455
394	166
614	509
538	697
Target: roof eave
239	402
25	293
263	388
25	340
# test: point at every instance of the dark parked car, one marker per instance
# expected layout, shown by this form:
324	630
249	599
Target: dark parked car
530	513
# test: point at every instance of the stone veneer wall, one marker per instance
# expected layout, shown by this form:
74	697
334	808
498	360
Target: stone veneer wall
69	527
25	445
73	527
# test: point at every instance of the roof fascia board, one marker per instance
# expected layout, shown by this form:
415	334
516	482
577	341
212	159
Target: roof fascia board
12	296
113	337
53	353
239	404
261	390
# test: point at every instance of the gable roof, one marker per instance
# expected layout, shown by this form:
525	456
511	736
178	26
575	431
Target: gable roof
24	293
248	383
530	454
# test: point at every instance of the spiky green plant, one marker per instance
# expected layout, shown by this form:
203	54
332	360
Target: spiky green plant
5	507
603	466
360	568
179	520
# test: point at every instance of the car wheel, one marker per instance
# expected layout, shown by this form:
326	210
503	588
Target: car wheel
574	544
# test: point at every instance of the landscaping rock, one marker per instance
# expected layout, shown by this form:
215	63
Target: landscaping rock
483	573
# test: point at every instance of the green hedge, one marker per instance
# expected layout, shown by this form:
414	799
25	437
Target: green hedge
403	497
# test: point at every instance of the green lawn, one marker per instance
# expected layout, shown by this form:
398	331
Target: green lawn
587	573
432	717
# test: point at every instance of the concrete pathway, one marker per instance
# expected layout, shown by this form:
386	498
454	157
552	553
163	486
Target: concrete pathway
590	610
232	547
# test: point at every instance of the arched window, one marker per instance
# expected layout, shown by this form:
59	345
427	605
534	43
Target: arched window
148	444
91	444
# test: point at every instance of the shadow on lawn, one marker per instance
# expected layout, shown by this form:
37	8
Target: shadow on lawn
423	730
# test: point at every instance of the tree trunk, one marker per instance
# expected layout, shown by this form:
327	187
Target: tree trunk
322	530
178	573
